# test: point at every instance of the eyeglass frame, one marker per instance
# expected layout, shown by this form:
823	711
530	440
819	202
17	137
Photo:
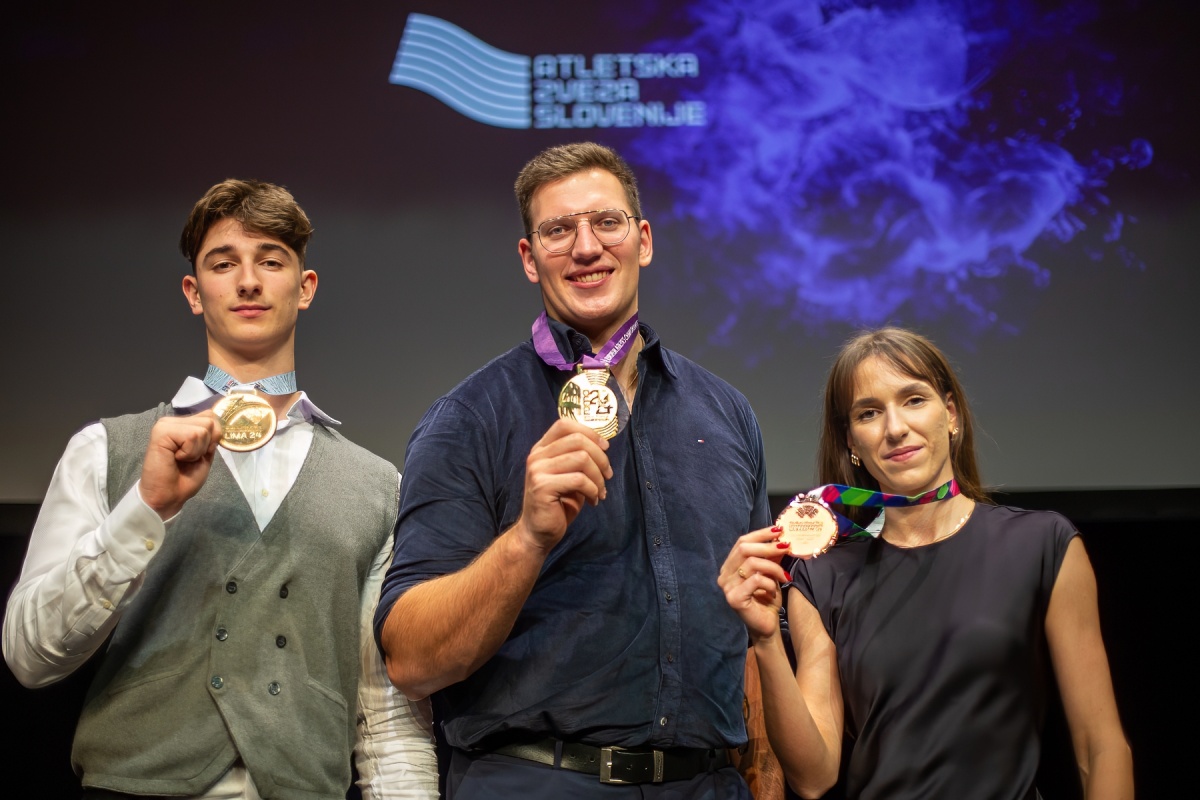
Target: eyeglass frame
628	218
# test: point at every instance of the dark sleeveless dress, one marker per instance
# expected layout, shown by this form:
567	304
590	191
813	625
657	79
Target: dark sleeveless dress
943	655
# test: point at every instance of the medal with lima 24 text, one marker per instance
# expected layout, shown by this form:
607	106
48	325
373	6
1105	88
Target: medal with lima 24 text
247	420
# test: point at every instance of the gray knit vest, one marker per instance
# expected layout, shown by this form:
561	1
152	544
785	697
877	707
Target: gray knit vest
240	642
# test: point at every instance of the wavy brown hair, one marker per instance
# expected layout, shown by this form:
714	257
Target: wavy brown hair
915	356
261	208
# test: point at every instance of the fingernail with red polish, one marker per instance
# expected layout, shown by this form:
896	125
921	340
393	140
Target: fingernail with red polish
788	575
782	545
776	529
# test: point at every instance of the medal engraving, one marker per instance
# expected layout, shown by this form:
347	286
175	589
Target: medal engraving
586	398
809	528
247	421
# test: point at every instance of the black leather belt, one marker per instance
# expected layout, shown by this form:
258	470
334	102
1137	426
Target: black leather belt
619	765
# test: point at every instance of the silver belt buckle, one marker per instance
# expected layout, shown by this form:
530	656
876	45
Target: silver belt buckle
606	763
606	760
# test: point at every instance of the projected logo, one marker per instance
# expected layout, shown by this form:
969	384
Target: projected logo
508	90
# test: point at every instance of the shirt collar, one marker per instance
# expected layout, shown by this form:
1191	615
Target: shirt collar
193	397
573	344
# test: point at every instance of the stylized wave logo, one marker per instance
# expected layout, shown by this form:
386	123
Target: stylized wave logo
477	80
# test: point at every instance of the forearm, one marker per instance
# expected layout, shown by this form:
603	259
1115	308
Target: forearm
394	745
82	566
804	737
1107	772
441	631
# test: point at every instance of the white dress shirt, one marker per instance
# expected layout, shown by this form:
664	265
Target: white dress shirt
86	563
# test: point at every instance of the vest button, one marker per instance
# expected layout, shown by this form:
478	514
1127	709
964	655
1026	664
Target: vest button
217	681
283	590
281	641
273	687
231	587
222	634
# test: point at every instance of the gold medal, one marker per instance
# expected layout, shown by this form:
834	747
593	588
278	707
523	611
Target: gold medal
247	421
586	398
809	528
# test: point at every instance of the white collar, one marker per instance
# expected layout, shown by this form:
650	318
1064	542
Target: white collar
193	396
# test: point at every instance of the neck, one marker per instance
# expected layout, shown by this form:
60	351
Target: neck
249	369
626	370
914	526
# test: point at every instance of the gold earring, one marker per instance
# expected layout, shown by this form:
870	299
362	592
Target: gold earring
855	460
953	432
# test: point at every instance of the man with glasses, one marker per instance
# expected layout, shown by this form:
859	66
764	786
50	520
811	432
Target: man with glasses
564	514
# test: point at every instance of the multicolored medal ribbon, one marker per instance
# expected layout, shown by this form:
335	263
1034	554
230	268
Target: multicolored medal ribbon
586	397
247	420
811	526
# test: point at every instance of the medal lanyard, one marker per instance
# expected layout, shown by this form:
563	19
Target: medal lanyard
853	496
222	382
543	342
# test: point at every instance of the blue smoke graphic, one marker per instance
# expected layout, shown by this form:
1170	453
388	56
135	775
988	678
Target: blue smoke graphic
872	163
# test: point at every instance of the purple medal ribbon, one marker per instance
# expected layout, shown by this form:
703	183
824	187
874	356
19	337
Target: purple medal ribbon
543	342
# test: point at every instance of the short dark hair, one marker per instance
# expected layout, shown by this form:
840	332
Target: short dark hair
910	354
560	161
261	208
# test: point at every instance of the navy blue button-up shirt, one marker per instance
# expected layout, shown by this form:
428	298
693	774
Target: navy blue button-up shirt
625	639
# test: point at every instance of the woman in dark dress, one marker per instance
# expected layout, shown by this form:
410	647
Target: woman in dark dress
932	643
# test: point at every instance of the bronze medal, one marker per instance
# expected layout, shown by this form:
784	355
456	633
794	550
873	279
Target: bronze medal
247	421
809	527
586	398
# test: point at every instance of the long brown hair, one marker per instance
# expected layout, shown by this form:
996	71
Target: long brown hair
915	356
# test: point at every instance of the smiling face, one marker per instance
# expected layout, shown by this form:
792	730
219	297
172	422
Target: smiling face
900	427
250	288
591	287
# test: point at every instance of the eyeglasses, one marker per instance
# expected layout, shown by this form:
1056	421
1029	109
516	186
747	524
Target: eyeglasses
610	226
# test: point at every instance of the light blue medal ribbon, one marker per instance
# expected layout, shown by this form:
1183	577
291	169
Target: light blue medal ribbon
222	382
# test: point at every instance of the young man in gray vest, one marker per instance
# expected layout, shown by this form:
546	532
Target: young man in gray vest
228	546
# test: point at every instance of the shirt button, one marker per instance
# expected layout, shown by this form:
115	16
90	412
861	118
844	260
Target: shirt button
657	541
281	641
265	492
649	485
231	587
273	688
283	590
662	722
217	681
106	604
149	544
669	597
222	634
670	658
